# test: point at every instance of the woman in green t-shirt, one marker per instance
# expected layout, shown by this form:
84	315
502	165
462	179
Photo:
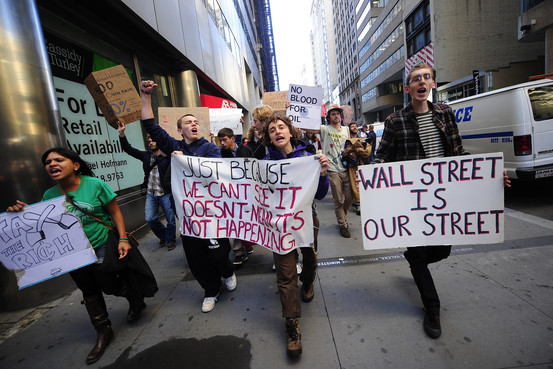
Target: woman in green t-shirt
74	177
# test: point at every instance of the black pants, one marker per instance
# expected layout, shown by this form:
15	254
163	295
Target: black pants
419	258
208	262
88	279
92	280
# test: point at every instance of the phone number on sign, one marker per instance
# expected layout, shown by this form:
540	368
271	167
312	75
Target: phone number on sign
111	176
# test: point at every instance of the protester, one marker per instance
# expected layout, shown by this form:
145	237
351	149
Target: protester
333	138
254	147
228	143
229	149
423	130
282	141
311	139
356	152
372	140
362	132
155	165
74	177
351	162
353	130
208	259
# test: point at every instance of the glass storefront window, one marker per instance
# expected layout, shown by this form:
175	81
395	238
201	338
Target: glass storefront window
83	127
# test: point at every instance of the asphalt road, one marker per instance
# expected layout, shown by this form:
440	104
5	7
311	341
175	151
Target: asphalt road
534	198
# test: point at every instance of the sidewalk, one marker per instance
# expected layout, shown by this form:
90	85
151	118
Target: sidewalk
497	312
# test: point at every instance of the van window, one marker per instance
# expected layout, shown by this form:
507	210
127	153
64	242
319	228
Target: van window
542	102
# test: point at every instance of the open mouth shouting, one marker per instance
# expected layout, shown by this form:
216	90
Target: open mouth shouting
54	172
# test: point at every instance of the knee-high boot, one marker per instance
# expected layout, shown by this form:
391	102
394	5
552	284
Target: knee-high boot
96	308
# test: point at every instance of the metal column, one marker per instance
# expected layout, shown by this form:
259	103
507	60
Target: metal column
30	121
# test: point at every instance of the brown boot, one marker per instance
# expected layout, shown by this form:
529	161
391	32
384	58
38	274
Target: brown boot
293	348
344	232
96	308
307	292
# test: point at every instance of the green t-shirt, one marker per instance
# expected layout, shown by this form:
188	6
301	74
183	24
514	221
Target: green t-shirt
92	195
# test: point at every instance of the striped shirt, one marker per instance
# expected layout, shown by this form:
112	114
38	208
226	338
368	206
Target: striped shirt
401	141
430	136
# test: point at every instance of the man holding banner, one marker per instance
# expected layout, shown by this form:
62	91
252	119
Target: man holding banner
422	130
208	259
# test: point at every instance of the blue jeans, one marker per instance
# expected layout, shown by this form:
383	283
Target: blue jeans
164	233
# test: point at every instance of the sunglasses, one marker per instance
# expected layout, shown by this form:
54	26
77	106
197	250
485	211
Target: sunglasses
426	77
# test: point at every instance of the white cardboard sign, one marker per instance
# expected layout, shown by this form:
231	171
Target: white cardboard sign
305	106
225	118
43	242
442	201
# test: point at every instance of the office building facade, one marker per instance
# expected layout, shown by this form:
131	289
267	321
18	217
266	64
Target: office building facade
474	47
324	50
346	55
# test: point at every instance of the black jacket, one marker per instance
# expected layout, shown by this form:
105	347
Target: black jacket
252	150
145	157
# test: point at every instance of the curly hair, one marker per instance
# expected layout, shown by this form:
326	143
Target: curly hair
294	132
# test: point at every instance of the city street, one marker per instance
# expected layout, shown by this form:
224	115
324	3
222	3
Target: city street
134	110
497	311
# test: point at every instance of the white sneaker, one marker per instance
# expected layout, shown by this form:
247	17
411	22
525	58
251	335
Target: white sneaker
208	304
230	282
299	268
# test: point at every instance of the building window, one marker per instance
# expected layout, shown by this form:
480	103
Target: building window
398	55
417	29
398	32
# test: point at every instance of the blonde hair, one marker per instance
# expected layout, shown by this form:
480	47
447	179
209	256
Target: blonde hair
262	112
417	67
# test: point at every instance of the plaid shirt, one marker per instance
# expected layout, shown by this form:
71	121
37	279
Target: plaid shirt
400	139
154	182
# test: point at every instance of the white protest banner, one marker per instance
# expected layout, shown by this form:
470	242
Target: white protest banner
43	242
442	201
266	202
225	118
305	106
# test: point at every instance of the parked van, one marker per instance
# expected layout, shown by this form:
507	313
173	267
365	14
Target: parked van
517	120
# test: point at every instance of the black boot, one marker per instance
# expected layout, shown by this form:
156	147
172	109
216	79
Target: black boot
431	323
96	308
134	311
136	304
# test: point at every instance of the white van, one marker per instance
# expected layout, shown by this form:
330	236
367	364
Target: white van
517	120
